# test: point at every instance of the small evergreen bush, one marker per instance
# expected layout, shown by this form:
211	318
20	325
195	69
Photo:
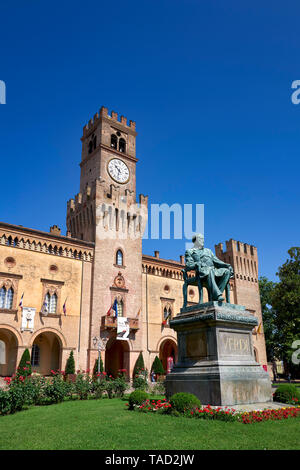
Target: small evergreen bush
24	368
184	402
137	398
95	370
139	365
157	367
70	365
286	393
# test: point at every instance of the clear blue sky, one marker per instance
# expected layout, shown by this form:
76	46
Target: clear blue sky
209	85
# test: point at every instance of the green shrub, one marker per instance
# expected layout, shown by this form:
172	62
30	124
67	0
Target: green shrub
83	386
120	385
137	398
139	365
95	370
286	393
98	387
109	387
17	396
159	388
4	402
24	368
55	389
34	389
70	365
157	367
140	383
184	402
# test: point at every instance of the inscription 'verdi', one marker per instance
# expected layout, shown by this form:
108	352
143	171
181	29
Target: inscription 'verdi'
236	344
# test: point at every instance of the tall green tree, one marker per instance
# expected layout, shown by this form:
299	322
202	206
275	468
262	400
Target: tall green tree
285	300
266	289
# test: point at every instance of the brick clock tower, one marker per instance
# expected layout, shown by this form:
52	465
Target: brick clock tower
105	212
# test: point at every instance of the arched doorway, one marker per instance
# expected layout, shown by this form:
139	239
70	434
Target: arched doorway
116	356
46	353
168	354
8	352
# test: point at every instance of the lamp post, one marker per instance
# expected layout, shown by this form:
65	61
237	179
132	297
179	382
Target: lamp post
101	345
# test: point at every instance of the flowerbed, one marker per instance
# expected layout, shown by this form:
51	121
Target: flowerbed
218	413
26	390
266	415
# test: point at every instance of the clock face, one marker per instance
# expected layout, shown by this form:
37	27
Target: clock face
118	170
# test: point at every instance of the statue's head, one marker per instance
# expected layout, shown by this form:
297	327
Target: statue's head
198	240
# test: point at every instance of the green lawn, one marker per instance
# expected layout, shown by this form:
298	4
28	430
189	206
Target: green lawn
107	424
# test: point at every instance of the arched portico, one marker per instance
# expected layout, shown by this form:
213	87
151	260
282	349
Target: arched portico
168	353
117	356
46	352
8	351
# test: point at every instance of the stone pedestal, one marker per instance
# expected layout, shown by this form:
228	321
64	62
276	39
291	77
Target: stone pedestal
216	358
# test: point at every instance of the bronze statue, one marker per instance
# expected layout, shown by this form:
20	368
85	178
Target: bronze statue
210	272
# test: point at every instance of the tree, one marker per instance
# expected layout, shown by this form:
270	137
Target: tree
70	365
25	364
285	300
266	289
157	367
139	365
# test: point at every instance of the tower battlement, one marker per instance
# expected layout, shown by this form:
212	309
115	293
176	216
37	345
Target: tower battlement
233	246
83	208
103	113
242	257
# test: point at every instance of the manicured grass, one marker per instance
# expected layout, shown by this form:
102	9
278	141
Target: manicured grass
107	424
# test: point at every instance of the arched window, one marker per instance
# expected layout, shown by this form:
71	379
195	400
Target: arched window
51	301
114	141
119	258
92	143
120	308
35	355
122	145
6	298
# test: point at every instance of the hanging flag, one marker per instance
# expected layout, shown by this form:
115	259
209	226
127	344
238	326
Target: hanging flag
113	309
64	307
138	314
45	306
259	328
21	301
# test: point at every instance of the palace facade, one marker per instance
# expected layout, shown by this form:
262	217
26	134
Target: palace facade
69	282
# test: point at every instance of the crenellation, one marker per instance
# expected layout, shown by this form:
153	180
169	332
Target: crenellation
124	120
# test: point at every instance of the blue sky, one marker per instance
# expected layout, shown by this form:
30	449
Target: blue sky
209	86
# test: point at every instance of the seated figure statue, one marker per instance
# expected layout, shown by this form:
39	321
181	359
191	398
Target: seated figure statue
210	272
